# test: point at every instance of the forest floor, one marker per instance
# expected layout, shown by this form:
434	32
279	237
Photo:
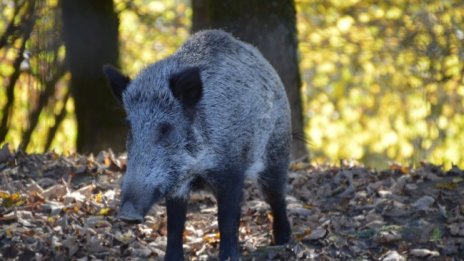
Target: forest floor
64	207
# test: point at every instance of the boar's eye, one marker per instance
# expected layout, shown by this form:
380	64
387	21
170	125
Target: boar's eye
164	129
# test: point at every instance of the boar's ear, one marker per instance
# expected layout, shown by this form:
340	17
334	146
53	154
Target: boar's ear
117	80
186	86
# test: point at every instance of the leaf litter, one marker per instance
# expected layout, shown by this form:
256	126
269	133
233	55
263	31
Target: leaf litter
64	207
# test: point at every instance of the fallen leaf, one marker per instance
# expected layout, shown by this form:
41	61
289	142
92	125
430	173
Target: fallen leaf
104	211
317	234
54	192
423	203
387	237
211	238
392	255
421	252
71	244
398	167
11	200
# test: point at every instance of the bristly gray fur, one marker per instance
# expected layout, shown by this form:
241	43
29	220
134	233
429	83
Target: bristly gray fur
243	117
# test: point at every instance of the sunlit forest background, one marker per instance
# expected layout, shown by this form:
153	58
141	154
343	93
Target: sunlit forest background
382	80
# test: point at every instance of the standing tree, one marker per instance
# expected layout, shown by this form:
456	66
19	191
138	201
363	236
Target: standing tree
90	32
270	25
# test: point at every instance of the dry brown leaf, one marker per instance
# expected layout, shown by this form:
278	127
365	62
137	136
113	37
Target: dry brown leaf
317	234
392	255
54	192
211	238
71	244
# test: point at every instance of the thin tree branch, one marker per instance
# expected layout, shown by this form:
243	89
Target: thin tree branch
33	118
7	109
11	29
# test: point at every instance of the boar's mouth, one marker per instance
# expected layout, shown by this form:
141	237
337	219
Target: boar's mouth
129	213
134	207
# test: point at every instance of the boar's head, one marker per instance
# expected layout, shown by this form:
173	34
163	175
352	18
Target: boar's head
160	105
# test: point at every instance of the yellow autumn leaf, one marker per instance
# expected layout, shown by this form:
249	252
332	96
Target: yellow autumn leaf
308	206
211	238
104	211
400	168
10	200
51	220
107	161
14	196
303	235
4	194
9	232
98	197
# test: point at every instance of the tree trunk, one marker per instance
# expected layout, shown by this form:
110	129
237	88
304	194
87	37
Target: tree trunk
90	32
270	25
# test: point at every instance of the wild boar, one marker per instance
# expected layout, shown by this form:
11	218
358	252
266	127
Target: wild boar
212	114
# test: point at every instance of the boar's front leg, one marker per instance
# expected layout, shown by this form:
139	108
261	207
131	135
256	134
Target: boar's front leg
229	197
176	212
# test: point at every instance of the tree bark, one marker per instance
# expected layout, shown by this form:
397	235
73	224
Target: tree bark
59	117
90	32
270	25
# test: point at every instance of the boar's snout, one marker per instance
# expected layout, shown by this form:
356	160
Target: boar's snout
131	219
129	214
135	204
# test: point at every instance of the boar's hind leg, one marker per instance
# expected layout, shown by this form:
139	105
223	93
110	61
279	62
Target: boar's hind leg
176	212
273	184
229	192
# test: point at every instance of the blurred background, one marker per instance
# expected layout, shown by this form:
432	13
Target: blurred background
379	81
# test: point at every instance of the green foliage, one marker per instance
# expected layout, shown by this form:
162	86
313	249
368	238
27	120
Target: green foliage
151	30
383	80
40	91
